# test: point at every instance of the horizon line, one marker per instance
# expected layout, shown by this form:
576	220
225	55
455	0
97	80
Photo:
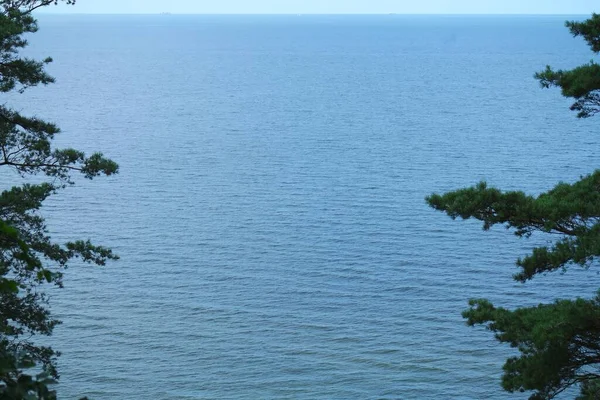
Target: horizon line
166	13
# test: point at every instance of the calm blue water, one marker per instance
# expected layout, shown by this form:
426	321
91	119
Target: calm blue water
270	209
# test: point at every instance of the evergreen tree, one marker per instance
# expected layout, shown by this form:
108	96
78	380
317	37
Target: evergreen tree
559	343
28	256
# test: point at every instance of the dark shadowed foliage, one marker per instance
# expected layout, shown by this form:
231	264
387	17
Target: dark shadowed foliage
29	258
559	343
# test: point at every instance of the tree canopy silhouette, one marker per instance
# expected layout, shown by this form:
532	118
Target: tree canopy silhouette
29	258
559	343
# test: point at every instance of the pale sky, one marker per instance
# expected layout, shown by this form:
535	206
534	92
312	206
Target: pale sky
331	6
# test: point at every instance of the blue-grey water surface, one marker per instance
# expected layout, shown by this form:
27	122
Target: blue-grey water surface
270	209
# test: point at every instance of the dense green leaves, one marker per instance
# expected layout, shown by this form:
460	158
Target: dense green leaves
571	210
29	258
26	145
559	343
581	83
589	30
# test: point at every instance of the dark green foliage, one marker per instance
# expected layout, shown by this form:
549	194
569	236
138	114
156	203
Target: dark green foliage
559	343
572	211
581	83
28	257
590	390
